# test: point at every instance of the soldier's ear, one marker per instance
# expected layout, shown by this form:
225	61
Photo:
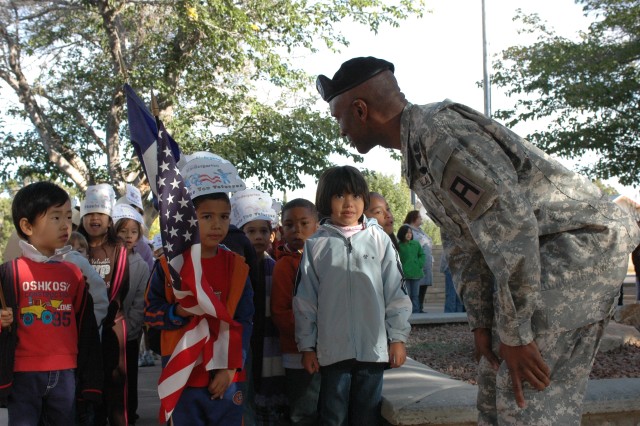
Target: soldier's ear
361	109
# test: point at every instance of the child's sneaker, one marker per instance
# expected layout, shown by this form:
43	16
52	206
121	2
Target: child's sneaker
141	361
148	357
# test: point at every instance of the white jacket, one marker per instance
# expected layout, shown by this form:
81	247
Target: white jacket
350	301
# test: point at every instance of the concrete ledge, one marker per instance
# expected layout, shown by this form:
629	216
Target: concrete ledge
415	394
418	395
437	318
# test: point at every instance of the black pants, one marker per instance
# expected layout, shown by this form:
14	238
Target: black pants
133	350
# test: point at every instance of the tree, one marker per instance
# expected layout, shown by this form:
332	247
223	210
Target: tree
606	189
432	230
6	222
66	62
396	193
589	89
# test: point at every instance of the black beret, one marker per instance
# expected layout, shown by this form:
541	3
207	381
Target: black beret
352	73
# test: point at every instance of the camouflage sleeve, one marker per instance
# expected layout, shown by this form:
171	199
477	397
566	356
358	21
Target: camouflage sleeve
481	181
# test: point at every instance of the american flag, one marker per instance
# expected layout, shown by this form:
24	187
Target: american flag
144	134
212	337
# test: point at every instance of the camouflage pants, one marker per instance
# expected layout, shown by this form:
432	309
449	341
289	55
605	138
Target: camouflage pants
569	355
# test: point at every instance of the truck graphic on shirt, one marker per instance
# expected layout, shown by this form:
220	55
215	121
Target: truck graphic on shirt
38	309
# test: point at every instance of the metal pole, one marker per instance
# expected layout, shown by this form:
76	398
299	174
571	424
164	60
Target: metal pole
485	66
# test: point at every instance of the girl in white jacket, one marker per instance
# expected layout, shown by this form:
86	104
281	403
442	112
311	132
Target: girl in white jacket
350	305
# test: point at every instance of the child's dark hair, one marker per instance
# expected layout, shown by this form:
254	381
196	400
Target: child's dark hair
213	196
402	232
336	181
33	201
300	202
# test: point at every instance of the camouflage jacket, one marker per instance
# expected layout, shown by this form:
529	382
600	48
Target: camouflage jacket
532	246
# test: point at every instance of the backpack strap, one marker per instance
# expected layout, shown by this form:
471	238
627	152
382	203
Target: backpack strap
120	270
9	288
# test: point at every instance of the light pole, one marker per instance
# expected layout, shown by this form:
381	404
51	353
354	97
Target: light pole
485	66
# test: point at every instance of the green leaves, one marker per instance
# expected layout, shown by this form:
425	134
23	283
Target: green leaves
206	60
589	88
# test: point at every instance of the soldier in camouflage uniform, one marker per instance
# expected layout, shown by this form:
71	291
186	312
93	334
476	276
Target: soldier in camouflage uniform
537	253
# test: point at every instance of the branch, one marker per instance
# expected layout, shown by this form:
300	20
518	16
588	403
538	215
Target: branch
74	168
76	113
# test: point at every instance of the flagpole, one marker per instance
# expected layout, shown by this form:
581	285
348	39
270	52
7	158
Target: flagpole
155	108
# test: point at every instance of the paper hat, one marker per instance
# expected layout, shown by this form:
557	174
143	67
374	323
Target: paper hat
249	205
75	211
351	74
277	208
207	173
132	196
156	241
125	211
75	216
98	199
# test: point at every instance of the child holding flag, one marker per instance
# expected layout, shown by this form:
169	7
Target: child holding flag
212	280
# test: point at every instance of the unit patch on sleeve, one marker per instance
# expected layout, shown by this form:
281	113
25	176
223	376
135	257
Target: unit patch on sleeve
471	191
466	191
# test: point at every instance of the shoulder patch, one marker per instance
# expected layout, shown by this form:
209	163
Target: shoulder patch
471	191
465	191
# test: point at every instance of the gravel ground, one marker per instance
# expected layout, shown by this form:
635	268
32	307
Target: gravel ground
449	349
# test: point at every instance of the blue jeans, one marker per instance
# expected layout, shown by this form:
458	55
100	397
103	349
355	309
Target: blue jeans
303	391
47	395
413	286
452	302
351	393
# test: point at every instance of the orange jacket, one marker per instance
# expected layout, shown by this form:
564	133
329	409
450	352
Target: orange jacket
283	281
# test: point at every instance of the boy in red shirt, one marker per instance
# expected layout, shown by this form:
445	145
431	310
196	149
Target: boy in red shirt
213	397
53	328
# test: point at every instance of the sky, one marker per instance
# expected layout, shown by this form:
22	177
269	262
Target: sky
440	56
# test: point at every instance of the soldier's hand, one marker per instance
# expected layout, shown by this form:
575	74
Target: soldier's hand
482	343
525	364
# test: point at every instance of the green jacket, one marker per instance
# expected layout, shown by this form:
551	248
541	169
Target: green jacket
412	258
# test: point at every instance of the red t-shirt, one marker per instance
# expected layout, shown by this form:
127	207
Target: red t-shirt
50	295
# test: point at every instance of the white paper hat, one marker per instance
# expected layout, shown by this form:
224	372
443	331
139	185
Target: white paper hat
75	211
98	199
132	196
75	217
207	173
277	208
156	241
125	211
251	204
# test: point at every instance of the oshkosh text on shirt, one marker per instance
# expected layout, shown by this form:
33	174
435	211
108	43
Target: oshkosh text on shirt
45	286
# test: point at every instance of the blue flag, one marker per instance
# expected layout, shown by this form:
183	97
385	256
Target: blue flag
144	136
